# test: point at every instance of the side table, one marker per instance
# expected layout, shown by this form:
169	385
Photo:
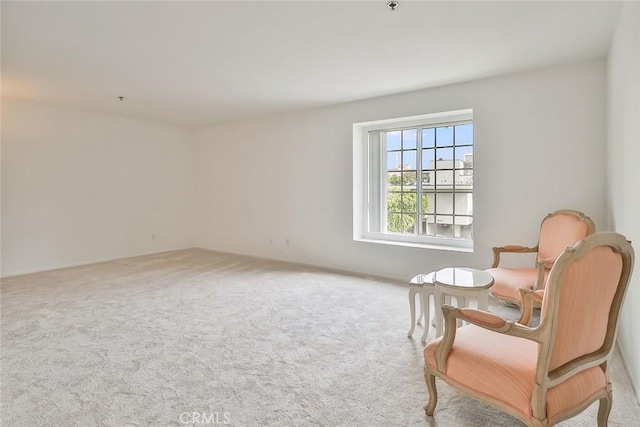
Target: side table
423	285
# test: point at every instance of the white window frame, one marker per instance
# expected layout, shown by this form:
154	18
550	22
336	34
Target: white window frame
368	165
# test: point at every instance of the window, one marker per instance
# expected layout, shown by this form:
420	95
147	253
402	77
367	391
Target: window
413	180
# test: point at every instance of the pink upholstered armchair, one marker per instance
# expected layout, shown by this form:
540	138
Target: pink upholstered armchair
549	373
559	230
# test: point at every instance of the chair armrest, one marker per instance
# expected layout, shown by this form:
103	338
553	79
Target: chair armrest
530	299
547	263
516	249
542	266
483	319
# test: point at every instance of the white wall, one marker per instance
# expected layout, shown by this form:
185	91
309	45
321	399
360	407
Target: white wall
539	146
79	187
624	168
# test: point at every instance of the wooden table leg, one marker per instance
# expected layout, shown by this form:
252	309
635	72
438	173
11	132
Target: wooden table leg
412	308
424	298
437	300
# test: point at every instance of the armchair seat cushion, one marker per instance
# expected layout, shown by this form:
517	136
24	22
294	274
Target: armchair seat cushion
502	368
508	281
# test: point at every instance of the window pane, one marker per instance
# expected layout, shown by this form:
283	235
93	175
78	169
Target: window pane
409	160
464	179
428	179
463	227
409	139
428	137
444	136
394	160
409	223
424	227
428	159
394	181
465	154
394	223
464	204
464	134
428	202
444	226
444	158
398	223
409	181
444	178
429	226
444	203
393	140
409	204
394	202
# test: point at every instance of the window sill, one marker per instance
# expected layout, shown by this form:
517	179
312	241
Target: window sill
441	247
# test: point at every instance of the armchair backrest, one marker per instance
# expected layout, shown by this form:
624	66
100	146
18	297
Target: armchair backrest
561	229
583	298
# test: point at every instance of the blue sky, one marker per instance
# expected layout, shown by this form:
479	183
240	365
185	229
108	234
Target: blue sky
434	141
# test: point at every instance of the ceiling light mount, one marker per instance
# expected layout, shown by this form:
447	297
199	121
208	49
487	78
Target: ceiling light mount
392	5
121	98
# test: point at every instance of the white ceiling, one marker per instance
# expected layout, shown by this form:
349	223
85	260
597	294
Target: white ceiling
200	63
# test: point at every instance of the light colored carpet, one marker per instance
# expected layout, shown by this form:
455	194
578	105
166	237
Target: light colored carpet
140	341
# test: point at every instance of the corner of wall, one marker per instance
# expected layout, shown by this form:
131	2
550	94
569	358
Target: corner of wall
623	200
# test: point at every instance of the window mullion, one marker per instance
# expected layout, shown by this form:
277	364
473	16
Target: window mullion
453	204
435	182
383	183
402	175
419	229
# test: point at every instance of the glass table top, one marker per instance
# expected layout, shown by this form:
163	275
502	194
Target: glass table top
463	277
423	278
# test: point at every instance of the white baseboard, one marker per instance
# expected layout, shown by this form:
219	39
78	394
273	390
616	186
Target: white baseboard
95	261
626	364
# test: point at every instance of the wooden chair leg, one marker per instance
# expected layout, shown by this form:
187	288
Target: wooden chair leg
604	409
430	379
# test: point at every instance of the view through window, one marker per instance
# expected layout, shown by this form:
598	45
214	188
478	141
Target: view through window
413	180
429	181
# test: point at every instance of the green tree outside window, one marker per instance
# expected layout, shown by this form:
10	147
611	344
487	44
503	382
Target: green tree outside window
402	206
